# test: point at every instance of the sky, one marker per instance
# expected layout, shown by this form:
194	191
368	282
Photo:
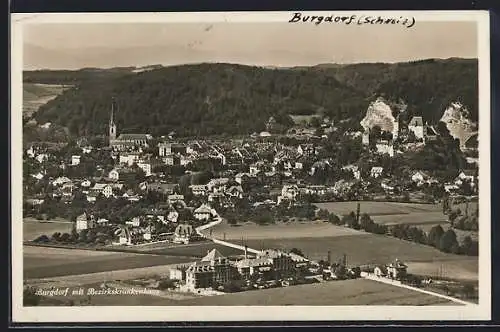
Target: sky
104	45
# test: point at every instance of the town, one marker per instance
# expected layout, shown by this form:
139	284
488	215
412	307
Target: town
130	189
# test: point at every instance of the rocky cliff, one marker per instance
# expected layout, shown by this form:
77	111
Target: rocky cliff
457	119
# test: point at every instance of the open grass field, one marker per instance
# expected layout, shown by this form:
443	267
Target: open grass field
414	219
196	250
347	292
379	208
377	249
280	230
43	262
36	95
33	228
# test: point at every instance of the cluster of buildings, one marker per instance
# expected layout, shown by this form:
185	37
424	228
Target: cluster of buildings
215	270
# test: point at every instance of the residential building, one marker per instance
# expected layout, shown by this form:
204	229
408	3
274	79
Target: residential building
75	160
204	212
416	126
84	221
376	171
212	271
199	189
103	188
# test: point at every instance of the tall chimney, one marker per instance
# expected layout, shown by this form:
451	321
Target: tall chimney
329	257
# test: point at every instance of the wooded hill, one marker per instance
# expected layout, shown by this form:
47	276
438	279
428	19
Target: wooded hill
206	99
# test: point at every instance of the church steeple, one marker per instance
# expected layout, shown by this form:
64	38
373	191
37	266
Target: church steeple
112	124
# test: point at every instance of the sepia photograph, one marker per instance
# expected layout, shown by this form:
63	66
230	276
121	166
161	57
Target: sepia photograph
250	166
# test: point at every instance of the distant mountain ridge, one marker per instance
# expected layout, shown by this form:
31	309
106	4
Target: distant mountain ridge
217	98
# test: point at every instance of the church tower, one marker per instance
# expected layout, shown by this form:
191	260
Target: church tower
112	124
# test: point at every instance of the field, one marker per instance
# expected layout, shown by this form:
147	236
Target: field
379	208
33	228
347	292
280	230
43	262
378	249
36	95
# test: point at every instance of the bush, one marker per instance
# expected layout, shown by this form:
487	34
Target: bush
166	284
42	239
56	236
65	237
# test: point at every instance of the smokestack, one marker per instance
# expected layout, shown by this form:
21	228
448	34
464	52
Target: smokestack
246	252
329	257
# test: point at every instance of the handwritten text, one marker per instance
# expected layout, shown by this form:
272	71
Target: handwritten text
354	20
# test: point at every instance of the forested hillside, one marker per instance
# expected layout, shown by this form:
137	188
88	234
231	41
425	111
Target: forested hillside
225	98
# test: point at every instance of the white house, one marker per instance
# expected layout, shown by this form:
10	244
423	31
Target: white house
146	167
235	191
38	175
354	169
288	192
84	221
103	188
199	189
114	174
42	157
465	176
217	185
204	212
416	126
85	183
60	181
129	158
172	216
376	171
175	198
75	160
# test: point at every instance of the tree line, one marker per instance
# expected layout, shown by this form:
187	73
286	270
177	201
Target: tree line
211	99
445	241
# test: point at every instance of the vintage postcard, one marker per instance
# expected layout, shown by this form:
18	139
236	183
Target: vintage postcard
250	166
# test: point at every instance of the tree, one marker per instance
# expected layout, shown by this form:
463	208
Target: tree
65	237
448	241
323	214
42	239
366	222
56	236
297	252
435	235
166	284
334	219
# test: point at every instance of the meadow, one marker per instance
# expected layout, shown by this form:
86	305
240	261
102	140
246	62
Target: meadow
347	292
44	262
378	249
378	208
33	228
279	230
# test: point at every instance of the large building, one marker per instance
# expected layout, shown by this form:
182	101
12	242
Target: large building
212	271
125	142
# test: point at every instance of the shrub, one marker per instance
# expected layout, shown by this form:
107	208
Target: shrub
166	284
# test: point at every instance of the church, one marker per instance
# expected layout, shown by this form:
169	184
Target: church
125	142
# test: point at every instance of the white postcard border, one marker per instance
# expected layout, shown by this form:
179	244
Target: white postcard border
482	311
